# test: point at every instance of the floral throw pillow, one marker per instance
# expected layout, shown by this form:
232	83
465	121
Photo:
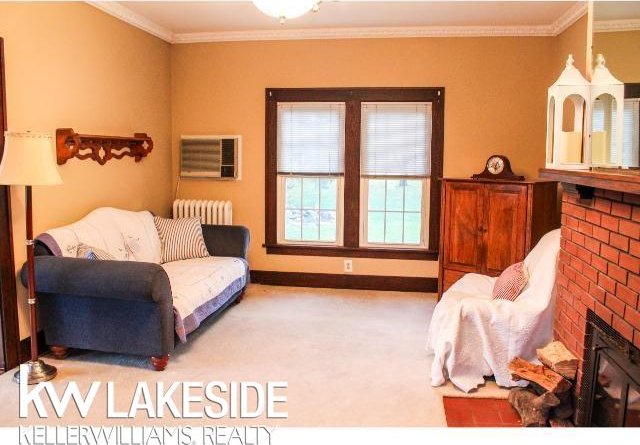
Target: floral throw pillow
511	282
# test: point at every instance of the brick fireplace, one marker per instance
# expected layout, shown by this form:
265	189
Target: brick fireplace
599	264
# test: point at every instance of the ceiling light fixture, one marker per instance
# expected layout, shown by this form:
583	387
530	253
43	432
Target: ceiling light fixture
286	9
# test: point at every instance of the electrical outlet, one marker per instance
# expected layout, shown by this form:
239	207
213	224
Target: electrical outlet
348	266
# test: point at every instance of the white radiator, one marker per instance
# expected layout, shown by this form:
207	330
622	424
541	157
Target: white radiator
209	212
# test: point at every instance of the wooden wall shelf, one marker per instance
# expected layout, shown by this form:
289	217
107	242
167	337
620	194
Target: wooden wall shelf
70	144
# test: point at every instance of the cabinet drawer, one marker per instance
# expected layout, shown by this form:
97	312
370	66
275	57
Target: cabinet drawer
450	276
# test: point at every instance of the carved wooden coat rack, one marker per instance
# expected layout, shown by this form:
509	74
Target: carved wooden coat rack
100	148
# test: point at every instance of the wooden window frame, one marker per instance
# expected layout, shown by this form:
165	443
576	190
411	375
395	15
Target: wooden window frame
353	98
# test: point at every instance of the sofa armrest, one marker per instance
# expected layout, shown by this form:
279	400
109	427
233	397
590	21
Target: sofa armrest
125	280
228	241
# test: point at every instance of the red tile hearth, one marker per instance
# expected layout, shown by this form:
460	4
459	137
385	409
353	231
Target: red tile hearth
467	412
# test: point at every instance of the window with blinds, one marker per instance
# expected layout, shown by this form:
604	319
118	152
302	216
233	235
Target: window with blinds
311	143
395	167
311	138
631	133
396	139
604	121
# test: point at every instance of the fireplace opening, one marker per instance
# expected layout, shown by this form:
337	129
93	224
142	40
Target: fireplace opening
610	391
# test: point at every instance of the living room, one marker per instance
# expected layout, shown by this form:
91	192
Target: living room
342	222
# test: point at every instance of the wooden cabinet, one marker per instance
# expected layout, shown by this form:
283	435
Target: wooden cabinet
487	225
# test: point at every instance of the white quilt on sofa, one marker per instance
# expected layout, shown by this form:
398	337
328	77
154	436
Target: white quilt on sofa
195	281
199	286
472	336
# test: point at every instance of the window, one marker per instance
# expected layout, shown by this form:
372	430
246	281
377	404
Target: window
631	128
348	171
395	149
631	133
310	168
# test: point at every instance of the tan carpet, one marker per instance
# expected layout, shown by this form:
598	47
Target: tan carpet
351	358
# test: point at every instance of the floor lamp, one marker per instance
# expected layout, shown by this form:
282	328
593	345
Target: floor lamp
28	160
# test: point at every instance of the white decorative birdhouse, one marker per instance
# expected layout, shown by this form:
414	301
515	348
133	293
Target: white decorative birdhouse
606	118
568	110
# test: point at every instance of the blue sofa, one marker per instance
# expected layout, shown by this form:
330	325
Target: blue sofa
121	306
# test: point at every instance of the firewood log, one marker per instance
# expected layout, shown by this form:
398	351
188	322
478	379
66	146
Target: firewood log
539	374
565	409
557	357
533	409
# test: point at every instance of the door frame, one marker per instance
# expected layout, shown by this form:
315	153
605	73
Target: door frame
8	297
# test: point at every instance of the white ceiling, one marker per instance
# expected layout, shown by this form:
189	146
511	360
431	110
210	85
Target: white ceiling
214	16
615	10
215	20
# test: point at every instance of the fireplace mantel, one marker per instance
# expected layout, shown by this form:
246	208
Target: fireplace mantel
627	181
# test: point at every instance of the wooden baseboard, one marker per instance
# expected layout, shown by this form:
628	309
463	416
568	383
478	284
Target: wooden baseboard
345	281
24	354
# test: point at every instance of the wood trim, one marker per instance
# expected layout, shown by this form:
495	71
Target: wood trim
346	281
351	201
627	181
8	303
353	252
352	97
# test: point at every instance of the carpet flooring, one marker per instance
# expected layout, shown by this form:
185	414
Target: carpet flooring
351	358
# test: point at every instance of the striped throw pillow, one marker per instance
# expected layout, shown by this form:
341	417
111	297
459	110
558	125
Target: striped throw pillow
181	238
92	253
511	282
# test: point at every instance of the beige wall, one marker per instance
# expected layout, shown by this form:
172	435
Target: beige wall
572	40
70	65
622	53
495	103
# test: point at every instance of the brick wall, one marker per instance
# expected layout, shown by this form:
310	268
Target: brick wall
599	267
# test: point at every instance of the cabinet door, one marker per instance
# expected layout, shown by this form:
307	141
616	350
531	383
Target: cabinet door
463	226
504	227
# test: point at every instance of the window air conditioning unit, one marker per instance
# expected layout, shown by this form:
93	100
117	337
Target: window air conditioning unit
215	157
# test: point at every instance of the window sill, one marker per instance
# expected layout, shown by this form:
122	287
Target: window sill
353	252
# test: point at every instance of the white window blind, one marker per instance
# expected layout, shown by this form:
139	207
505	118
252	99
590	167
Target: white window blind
396	139
631	133
631	128
311	138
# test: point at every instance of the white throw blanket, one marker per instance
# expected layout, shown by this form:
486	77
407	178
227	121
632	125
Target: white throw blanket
128	236
472	336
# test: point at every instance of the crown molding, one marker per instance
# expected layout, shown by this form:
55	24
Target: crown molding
125	14
364	33
121	12
617	25
567	19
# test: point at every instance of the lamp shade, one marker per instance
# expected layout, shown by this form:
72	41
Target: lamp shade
28	160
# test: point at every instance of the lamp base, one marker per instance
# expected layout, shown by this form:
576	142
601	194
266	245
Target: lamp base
37	371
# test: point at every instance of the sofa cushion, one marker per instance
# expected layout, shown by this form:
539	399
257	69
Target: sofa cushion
126	235
200	286
181	239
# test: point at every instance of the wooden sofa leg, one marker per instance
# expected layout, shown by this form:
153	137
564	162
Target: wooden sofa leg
159	363
237	300
59	352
